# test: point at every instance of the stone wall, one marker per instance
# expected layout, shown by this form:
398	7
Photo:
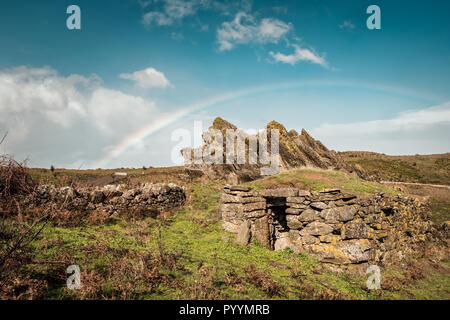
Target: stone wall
338	228
110	198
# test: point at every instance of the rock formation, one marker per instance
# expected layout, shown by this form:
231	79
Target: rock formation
295	151
339	228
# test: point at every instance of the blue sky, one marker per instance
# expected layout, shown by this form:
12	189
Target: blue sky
69	97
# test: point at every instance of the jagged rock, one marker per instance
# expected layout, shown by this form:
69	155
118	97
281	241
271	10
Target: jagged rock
295	151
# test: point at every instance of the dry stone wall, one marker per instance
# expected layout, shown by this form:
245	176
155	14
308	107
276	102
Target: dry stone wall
110	198
339	228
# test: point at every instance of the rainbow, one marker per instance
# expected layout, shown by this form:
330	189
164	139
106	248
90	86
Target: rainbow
164	121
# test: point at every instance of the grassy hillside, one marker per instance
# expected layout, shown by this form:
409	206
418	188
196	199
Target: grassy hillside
434	169
427	169
186	255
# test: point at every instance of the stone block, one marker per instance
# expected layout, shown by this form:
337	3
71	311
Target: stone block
309	215
316	228
318	205
279	193
295	199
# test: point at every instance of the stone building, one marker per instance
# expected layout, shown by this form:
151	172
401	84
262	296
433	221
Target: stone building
337	227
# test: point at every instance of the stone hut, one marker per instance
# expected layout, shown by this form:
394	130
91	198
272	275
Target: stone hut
337	227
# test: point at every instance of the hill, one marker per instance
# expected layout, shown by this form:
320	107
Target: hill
432	169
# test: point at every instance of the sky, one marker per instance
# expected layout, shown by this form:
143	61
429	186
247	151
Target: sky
114	93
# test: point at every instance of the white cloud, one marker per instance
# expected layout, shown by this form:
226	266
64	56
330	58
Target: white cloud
177	36
245	29
157	18
51	117
174	11
116	112
348	25
148	78
418	131
300	54
27	94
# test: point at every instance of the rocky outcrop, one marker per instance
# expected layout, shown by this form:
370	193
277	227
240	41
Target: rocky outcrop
150	198
295	151
338	228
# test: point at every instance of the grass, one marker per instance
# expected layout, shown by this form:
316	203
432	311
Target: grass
441	212
427	169
186	255
432	169
314	179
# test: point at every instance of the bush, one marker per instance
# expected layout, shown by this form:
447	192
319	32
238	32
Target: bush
14	178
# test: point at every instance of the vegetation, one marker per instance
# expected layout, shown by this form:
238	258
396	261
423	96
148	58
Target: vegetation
432	169
313	179
424	169
184	254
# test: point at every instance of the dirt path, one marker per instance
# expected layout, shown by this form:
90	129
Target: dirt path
417	184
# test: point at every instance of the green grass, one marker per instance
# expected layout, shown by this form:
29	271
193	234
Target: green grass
433	169
193	235
314	179
440	212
